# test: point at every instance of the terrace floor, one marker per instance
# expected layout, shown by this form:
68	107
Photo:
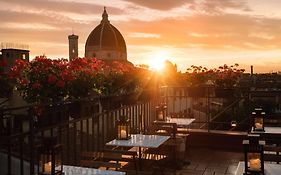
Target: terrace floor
205	161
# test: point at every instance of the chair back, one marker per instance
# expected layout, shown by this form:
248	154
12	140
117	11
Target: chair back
163	128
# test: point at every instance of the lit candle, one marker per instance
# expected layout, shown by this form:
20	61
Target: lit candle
255	164
123	134
258	125
47	167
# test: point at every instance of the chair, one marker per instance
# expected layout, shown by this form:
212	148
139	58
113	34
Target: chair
108	158
164	128
272	153
167	155
93	160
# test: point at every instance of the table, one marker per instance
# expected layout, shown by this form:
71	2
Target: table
181	121
141	141
268	130
269	169
75	170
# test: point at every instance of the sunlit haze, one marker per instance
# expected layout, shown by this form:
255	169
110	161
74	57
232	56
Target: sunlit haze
157	59
186	32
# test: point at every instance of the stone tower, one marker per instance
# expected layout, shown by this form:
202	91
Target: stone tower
73	46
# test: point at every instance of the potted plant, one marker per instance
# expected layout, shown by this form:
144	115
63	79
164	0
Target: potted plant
225	79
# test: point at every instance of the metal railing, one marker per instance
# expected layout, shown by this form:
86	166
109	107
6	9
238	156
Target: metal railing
78	126
86	125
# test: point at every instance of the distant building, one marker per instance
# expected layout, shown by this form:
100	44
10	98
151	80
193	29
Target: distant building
106	42
11	52
73	46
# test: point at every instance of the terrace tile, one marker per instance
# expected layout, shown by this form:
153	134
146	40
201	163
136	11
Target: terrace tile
212	162
205	161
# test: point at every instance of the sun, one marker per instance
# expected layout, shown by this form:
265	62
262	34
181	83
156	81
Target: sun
157	60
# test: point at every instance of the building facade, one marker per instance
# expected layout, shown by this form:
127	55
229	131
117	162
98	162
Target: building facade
12	54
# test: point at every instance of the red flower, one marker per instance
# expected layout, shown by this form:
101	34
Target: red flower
36	85
23	81
60	84
65	75
52	79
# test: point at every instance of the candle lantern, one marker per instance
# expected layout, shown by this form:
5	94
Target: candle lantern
233	123
258	119
161	111
50	157
253	155
123	128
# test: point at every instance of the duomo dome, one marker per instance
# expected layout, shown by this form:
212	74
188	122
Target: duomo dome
106	42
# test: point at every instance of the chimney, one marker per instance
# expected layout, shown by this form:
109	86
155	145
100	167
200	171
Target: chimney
252	69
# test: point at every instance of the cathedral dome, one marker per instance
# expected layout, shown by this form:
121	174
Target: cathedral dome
106	42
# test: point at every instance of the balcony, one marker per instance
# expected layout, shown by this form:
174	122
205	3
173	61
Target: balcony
213	146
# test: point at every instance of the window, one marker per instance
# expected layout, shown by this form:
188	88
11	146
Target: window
23	56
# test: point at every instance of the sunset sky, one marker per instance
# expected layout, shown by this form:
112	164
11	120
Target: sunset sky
187	32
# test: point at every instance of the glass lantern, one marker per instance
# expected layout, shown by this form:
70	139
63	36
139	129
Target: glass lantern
258	119
253	155
50	158
160	112
123	128
233	123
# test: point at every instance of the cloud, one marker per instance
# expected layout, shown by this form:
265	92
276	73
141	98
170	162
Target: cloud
143	35
198	35
33	26
161	4
58	6
266	36
227	31
220	6
200	6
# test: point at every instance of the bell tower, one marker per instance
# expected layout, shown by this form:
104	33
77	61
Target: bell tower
73	46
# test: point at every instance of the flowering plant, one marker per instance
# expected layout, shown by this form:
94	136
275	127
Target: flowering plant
198	75
42	79
87	76
120	78
227	76
48	80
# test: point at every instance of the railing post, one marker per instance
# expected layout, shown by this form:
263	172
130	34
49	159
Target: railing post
208	107
31	140
9	133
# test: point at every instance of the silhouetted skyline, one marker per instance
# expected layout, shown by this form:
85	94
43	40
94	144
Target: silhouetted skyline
187	32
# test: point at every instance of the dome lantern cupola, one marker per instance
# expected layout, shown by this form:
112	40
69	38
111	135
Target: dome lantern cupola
104	16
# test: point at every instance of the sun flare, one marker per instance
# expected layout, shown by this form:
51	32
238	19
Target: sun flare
157	60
